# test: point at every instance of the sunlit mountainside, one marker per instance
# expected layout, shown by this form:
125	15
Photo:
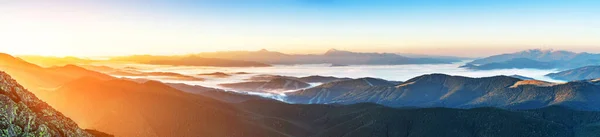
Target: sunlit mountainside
25	115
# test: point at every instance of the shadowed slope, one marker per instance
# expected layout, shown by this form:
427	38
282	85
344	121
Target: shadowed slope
218	94
328	91
321	79
375	120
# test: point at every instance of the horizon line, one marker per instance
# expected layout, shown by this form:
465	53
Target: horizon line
288	53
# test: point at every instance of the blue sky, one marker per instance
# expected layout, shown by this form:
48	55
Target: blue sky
445	27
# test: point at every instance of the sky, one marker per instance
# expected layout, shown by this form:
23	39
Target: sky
470	28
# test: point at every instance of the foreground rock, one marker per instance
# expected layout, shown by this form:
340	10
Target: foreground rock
23	114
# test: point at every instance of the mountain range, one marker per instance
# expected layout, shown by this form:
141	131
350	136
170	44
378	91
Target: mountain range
332	56
516	63
537	59
440	90
127	108
583	73
339	107
190	60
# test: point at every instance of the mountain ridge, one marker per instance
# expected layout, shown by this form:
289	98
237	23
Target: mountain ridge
363	119
276	85
583	73
332	56
440	90
548	59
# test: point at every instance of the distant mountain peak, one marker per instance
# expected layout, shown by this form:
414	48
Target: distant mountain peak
540	50
334	51
546	51
263	50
